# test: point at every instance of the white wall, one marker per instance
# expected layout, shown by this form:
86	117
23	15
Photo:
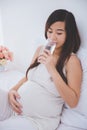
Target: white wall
1	32
23	23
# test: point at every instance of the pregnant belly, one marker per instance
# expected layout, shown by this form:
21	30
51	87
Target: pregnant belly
36	101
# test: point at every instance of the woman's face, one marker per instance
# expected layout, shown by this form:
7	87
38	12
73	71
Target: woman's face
57	33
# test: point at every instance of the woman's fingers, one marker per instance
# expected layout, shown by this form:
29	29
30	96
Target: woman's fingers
13	99
47	52
43	57
16	108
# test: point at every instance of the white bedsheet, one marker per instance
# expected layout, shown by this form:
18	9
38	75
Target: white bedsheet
9	78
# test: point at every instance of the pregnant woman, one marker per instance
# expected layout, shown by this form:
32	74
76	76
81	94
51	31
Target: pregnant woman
52	78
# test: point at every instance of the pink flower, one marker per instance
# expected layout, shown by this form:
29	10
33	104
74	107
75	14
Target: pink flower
5	53
1	55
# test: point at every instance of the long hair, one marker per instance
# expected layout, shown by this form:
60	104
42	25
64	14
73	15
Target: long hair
72	42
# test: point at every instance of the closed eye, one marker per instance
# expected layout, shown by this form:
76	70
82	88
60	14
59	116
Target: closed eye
49	31
59	33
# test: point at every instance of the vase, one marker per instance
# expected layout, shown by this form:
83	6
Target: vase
2	68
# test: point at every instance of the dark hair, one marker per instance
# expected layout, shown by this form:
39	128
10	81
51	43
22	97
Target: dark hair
72	42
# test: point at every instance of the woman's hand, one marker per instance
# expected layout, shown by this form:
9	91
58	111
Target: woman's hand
48	59
13	96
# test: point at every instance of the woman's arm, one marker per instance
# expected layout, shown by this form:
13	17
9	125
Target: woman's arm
19	84
24	79
70	92
13	94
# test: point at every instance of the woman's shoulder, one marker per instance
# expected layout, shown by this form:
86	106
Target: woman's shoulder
39	48
73	58
73	61
36	54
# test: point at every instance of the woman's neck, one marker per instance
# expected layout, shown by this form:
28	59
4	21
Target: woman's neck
57	51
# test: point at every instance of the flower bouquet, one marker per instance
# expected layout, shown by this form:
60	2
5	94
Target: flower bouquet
5	55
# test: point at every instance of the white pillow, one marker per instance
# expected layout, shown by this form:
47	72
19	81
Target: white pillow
82	105
77	117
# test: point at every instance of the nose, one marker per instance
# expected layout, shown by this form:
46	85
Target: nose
53	37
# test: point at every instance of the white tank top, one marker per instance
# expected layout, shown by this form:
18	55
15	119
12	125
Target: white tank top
40	99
